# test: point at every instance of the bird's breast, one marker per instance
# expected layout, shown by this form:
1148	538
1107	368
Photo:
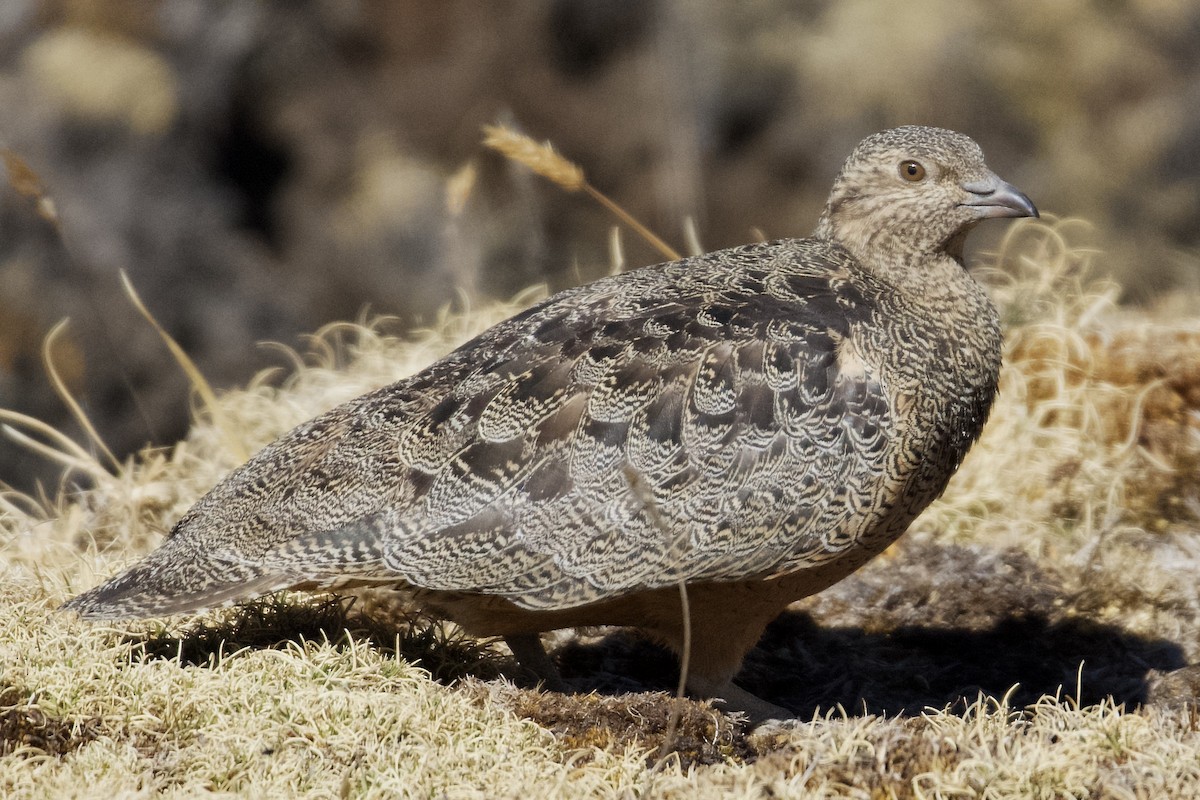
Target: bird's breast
941	371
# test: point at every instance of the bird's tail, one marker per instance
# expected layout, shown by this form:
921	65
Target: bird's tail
177	579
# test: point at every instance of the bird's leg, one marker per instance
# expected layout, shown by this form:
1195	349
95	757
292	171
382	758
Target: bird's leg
531	655
717	649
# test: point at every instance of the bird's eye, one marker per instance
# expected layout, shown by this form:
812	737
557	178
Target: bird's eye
912	171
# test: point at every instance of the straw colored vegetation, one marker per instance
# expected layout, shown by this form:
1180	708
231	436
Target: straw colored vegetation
1030	637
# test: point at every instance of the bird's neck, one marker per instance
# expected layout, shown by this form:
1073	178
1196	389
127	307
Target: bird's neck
928	274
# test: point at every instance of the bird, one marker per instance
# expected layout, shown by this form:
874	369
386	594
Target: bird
752	425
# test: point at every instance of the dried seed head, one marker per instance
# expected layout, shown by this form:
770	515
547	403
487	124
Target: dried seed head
539	157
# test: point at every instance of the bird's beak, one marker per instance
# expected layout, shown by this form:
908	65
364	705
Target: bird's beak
993	197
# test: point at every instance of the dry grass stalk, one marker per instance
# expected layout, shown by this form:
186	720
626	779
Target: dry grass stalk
60	387
199	383
616	251
66	452
544	160
650	506
459	187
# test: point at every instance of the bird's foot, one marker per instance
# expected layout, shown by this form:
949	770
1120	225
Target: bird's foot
730	698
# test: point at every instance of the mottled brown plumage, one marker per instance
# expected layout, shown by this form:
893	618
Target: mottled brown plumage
756	422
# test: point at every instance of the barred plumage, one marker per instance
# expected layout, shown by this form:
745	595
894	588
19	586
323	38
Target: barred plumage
785	409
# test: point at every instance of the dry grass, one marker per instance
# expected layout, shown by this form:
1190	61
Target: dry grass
1069	535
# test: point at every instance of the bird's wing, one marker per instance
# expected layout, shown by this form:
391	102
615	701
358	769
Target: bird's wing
697	421
620	439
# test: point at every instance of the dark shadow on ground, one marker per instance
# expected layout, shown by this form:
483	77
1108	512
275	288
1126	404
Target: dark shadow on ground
806	667
802	666
281	621
799	664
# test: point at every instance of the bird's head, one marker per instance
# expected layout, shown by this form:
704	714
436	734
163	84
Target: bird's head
910	193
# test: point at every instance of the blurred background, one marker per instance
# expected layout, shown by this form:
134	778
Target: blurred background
262	168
